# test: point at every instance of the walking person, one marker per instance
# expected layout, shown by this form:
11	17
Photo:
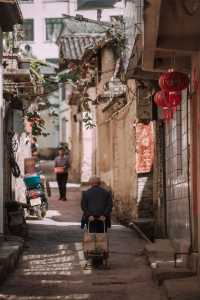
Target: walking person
62	164
96	204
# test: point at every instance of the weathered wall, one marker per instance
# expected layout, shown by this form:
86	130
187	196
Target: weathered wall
75	145
116	155
86	163
52	128
108	62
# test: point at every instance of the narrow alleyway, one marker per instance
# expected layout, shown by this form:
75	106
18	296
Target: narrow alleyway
52	263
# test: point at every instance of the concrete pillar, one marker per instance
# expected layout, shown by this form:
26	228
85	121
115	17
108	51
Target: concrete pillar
108	63
86	163
1	136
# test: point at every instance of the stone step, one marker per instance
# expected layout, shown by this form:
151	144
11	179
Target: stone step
161	253
182	289
161	274
10	251
160	246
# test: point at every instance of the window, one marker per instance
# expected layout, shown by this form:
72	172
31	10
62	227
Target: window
53	28
28	27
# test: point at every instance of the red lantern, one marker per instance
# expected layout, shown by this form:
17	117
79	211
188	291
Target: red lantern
172	81
174	98
161	99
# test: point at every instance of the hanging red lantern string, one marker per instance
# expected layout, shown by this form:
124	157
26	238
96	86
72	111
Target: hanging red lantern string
172	81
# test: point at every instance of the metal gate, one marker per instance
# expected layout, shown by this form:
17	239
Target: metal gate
177	176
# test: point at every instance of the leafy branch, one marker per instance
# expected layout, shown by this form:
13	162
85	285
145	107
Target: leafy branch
37	123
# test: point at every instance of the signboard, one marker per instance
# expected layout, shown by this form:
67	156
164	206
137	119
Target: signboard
144	147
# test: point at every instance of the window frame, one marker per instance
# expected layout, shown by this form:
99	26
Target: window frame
33	31
46	26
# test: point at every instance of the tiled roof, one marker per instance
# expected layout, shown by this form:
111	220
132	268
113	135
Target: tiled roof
79	35
74	47
10	14
81	25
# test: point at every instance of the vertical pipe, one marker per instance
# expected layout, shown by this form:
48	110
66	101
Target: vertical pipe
1	136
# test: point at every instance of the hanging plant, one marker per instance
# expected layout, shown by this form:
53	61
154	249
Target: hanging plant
37	123
87	119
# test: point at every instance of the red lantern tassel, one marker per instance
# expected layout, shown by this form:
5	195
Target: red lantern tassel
168	114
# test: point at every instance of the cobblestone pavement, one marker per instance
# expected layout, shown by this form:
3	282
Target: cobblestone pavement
52	266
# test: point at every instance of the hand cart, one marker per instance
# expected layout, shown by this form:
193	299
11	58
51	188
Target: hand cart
96	246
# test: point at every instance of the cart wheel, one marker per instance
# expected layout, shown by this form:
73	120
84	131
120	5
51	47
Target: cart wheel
86	266
98	262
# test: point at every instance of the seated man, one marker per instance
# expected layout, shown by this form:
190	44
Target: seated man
96	204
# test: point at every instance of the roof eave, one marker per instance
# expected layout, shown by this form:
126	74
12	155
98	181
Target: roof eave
10	14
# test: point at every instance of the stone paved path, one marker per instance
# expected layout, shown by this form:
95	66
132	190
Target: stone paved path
52	264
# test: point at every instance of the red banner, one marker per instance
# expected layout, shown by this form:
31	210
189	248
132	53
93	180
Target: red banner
144	147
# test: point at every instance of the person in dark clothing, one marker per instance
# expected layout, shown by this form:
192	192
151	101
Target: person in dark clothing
62	165
96	204
34	145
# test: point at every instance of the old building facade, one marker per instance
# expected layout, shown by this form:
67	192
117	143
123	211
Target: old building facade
115	144
10	15
167	42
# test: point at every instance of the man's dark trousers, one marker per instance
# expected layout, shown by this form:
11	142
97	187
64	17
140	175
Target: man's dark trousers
62	181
